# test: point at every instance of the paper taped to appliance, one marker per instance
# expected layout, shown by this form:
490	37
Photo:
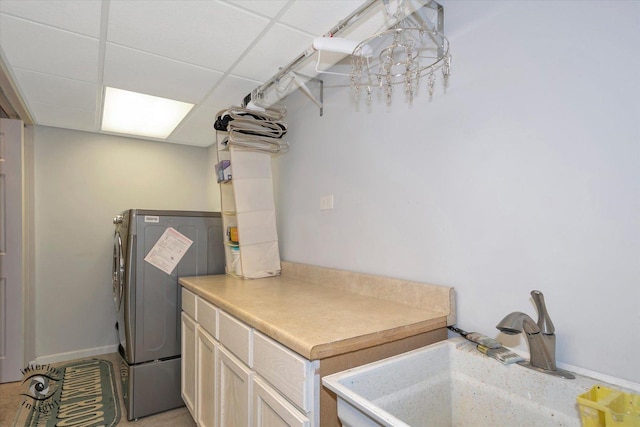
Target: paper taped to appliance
168	250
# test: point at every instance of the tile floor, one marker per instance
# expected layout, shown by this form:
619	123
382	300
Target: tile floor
10	401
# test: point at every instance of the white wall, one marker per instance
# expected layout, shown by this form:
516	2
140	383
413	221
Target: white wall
524	175
82	181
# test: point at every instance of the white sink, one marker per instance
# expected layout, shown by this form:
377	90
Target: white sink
450	383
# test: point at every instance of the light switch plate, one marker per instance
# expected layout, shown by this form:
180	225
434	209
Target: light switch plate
326	202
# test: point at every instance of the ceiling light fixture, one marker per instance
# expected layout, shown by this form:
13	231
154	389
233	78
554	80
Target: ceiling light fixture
138	114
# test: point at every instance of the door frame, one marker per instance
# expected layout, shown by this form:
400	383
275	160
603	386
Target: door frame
11	250
26	192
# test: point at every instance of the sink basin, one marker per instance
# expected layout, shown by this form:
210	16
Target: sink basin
451	383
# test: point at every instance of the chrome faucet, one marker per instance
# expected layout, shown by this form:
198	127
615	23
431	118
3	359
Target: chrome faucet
540	335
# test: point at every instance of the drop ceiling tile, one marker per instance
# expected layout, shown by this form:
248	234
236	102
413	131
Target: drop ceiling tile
205	33
231	92
267	56
56	91
197	128
176	49
143	72
194	133
318	17
41	48
375	22
77	16
268	8
67	118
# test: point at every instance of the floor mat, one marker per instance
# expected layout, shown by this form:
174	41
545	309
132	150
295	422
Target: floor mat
77	394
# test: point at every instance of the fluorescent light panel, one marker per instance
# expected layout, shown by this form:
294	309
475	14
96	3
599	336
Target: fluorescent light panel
135	113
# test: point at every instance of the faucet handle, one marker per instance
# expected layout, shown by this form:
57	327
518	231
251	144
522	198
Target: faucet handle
544	321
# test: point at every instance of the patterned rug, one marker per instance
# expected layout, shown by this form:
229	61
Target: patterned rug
78	394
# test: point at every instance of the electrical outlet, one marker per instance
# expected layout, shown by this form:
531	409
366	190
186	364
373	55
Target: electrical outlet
326	202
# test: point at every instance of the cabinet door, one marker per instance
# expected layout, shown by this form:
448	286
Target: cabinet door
270	409
207	405
189	365
235	390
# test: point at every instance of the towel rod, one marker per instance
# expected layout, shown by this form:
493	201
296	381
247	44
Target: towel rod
256	94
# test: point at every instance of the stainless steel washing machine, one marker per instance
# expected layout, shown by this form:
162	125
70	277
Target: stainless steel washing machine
148	301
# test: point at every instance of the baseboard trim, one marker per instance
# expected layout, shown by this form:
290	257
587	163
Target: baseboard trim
71	355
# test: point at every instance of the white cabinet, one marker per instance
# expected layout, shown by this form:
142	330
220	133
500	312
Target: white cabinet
235	376
207	364
235	390
199	359
207	387
189	364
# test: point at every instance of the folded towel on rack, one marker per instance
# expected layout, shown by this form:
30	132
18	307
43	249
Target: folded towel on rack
254	130
252	122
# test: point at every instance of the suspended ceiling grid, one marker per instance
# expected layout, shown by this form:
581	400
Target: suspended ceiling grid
61	54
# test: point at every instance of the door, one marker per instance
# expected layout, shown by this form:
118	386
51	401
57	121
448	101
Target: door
11	339
235	390
207	394
189	364
117	273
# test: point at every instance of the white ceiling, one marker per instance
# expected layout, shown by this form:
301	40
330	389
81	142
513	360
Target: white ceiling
62	53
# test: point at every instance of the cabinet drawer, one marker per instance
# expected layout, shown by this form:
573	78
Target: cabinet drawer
269	406
189	303
208	317
236	337
288	372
